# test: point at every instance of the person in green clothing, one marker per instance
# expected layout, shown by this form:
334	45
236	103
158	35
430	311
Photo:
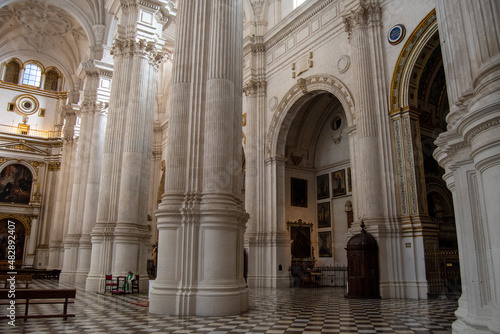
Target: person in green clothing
128	281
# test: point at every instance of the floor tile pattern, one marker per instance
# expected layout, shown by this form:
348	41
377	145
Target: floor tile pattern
290	310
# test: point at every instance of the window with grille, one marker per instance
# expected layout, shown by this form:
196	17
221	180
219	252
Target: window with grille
32	75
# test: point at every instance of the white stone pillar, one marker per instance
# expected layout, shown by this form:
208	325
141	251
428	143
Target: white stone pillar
201	220
470	152
120	235
370	205
85	187
63	200
374	199
91	190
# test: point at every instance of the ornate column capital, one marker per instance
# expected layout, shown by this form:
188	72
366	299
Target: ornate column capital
140	48
255	87
362	17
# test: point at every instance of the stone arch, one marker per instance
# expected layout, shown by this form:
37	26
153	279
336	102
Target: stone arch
285	112
400	85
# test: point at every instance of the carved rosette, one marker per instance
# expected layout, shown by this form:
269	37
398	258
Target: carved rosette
140	48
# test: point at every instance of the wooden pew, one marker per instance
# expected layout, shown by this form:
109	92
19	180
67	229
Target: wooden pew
22	281
28	297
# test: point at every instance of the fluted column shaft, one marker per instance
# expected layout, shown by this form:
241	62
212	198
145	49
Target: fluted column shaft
63	200
368	175
120	235
85	189
200	219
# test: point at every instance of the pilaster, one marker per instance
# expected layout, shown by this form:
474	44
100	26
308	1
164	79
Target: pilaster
60	217
93	109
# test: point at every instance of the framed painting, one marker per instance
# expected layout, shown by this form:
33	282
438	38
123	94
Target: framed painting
322	186
338	183
325	244
15	184
324	219
300	234
298	192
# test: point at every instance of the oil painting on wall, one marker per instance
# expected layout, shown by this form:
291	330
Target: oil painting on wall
15	184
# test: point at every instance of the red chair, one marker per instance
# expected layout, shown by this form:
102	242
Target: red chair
110	284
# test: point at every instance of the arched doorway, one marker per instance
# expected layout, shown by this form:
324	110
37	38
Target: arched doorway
419	104
308	146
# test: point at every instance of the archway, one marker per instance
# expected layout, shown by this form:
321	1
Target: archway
308	150
419	104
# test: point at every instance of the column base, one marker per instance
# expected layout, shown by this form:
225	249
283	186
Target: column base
198	302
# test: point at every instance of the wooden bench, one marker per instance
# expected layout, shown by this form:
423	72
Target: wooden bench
21	281
28	297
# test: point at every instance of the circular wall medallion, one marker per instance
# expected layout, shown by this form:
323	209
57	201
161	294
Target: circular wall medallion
396	34
343	64
273	103
27	104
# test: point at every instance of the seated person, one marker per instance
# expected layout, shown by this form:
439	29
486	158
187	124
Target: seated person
128	281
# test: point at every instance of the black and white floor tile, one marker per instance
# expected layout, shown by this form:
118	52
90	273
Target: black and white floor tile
290	310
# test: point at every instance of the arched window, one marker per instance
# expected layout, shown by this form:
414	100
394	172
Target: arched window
51	79
12	72
297	3
32	75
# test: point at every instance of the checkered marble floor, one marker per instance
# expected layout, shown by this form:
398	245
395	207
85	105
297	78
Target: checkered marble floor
291	310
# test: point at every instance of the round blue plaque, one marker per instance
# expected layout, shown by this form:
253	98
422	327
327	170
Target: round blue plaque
396	34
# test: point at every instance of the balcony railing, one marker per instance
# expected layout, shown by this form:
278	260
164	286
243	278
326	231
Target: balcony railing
23	129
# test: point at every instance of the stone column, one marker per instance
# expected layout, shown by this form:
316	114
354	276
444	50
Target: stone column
201	218
85	187
374	199
63	197
120	236
470	153
370	205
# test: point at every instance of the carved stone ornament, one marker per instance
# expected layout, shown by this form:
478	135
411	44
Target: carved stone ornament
131	47
302	83
344	63
295	159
